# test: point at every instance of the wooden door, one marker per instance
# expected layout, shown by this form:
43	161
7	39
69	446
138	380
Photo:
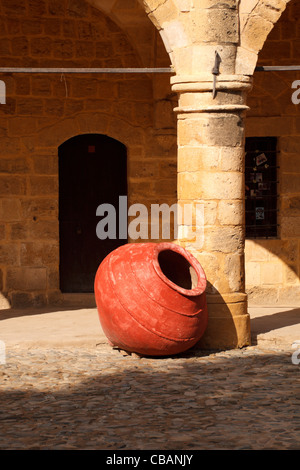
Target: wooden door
92	171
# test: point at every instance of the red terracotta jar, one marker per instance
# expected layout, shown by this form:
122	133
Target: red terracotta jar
151	298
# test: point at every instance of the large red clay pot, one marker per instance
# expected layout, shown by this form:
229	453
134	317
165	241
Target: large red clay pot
151	298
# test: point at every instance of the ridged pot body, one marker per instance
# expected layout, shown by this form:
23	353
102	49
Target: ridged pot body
141	309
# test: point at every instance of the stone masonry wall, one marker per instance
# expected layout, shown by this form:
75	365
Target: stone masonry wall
44	110
273	266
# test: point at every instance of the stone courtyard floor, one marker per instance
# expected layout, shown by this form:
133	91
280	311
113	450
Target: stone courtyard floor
63	387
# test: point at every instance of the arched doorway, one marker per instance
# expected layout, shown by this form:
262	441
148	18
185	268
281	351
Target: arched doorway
92	171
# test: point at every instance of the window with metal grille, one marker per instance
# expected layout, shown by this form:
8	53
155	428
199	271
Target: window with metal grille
261	187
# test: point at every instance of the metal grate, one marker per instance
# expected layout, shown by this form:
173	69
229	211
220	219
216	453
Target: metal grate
261	187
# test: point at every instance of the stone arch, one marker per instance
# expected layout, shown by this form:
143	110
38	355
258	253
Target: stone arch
88	123
130	134
132	19
44	111
165	17
256	20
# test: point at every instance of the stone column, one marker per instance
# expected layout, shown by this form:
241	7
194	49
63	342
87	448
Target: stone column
211	172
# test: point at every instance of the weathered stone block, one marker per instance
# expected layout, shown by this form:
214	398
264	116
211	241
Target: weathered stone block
18	126
290	183
41	86
135	90
290	227
30	106
56	7
45	165
41	46
63	49
245	61
31	26
210	185
200	4
12	185
214	25
20	299
9	254
255	33
231	212
289	295
291	274
77	8
209	261
22	85
84	87
163	115
19	231
34	207
52	26
252	274
43	230
39	254
270	12
165	187
290	145
14	6
55	135
149	5
271	273
223	239
26	278
53	277
175	35
84	49
5	48
197	158
165	11
10	210
14	166
220	130
19	46
37	7
54	297
43	185
184	5
285	250
226	329
2	231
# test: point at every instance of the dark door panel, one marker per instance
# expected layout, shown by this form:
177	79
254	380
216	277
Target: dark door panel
92	171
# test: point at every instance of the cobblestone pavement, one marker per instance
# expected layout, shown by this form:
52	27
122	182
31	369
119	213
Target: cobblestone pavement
101	398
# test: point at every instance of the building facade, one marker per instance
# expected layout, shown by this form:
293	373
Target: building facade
186	136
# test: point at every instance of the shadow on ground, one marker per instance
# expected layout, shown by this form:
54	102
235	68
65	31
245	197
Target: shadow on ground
276	320
245	399
280	326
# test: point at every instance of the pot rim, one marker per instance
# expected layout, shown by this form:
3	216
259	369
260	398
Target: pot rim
168	246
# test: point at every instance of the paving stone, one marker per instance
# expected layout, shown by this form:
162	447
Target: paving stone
100	398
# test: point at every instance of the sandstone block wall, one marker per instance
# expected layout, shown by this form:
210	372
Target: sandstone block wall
44	110
273	266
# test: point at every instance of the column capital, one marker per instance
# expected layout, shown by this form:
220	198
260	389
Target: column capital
231	92
204	82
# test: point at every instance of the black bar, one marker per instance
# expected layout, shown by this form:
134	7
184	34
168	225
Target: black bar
277	68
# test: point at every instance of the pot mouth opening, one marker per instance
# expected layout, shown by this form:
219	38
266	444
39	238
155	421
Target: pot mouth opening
179	269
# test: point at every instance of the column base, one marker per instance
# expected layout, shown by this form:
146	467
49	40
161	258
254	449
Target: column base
228	323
